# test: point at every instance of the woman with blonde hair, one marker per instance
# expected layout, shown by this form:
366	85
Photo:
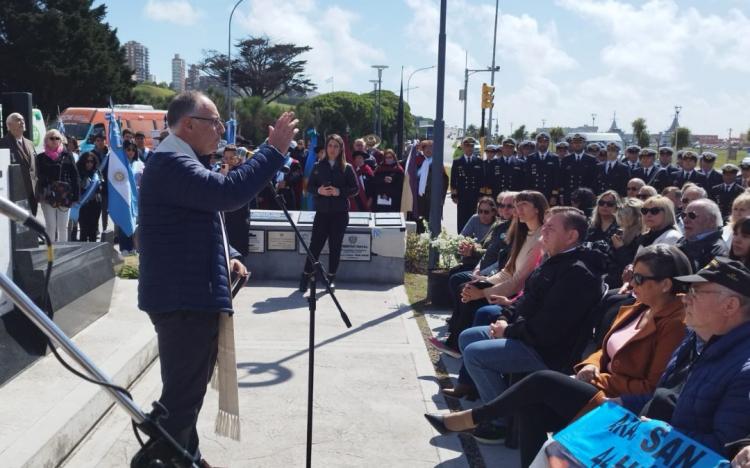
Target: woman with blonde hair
331	183
624	245
604	219
740	209
57	185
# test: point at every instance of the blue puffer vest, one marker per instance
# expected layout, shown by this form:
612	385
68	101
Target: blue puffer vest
182	263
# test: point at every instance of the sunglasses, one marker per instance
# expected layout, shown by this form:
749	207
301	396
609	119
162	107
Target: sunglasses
610	204
633	189
639	279
485	212
509	206
690	215
54	138
654	211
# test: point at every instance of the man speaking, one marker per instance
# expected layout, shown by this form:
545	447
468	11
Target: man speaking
185	259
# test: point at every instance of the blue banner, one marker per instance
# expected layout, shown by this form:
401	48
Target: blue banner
121	191
93	185
231	132
611	436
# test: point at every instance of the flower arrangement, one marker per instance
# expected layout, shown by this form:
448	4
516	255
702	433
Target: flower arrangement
445	243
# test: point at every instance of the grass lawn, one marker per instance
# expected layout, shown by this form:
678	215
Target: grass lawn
416	290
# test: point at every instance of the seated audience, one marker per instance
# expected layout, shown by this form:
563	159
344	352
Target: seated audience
646	192
740	209
702	241
583	198
634	185
548	326
634	354
524	255
625	243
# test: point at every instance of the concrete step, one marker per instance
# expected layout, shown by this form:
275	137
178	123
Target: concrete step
47	410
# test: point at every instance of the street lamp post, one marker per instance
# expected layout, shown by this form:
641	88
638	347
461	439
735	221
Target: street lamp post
492	75
229	62
374	107
380	69
408	80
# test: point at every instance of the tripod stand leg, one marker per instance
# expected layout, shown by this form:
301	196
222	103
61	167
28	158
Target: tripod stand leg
311	369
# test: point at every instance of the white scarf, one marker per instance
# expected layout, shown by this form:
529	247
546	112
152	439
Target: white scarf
424	172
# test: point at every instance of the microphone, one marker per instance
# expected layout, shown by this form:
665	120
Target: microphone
19	215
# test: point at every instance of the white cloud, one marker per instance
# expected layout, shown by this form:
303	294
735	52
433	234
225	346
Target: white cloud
180	12
336	50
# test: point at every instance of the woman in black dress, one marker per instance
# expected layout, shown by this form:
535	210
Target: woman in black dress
331	183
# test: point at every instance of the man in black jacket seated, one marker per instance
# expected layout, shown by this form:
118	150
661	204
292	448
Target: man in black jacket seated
702	241
546	327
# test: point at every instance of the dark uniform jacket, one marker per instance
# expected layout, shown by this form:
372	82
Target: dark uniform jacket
671	169
701	252
724	197
24	155
575	174
682	177
467	179
541	173
615	178
504	173
551	316
657	177
713	178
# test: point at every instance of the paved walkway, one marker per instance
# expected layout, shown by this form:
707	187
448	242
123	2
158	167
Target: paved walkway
373	382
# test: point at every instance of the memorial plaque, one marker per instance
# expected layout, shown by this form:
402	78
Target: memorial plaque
388	222
257	241
281	240
356	247
268	216
307	235
395	215
360	215
359	221
306	217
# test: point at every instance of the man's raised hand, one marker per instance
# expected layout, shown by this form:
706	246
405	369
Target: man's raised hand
281	133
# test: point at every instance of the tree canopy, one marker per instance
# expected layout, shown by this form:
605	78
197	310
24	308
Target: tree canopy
640	132
262	69
62	52
681	138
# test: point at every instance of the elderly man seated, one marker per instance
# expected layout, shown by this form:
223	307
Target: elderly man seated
704	390
702	227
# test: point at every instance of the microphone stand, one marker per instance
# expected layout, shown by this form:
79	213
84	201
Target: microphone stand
161	450
312	305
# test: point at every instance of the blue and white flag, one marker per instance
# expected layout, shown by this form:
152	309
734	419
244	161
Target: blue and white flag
90	190
123	198
231	132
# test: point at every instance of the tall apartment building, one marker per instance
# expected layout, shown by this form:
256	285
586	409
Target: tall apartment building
136	55
178	74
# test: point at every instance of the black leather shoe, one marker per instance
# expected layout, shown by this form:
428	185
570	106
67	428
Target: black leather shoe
304	282
436	420
461	391
332	282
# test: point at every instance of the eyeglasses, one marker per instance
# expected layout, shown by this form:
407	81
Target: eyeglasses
639	279
690	214
54	138
509	206
214	121
654	211
485	212
610	204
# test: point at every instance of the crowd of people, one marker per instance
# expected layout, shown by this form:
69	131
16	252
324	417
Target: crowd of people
637	286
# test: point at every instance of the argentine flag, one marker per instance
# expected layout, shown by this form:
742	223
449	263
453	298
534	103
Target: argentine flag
123	198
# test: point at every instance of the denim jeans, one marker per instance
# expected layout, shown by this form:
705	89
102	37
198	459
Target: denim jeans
489	360
484	316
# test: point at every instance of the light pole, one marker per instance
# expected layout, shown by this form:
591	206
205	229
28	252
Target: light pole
374	108
229	62
436	202
468	72
380	69
408	80
492	75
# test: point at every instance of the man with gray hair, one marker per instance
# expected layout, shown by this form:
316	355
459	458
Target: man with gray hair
702	228
22	153
186	262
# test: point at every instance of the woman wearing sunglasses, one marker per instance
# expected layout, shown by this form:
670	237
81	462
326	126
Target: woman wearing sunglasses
57	185
632	357
479	224
604	222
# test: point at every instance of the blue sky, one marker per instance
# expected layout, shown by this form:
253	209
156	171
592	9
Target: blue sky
561	60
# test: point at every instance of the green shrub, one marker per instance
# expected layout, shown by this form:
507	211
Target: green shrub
128	272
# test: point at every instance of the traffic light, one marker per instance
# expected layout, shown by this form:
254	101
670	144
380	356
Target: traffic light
488	96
